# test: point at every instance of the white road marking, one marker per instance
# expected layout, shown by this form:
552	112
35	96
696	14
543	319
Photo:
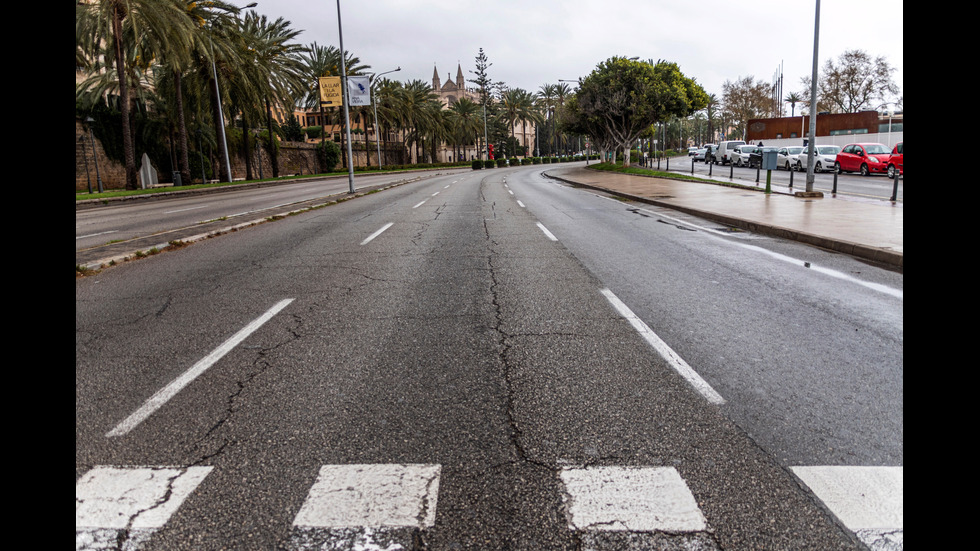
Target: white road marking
345	496
436	193
673	359
550	235
638	499
420	204
826	271
520	204
863	498
120	508
95	234
182	210
166	393
377	233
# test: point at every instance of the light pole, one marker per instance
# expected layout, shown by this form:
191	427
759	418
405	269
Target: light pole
377	134
811	147
346	100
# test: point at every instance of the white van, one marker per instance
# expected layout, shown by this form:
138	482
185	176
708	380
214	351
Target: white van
723	154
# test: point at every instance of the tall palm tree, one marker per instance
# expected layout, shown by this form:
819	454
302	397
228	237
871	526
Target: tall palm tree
280	77
792	99
418	113
325	61
468	117
126	34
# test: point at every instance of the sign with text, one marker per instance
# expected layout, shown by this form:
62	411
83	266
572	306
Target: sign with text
359	91
331	92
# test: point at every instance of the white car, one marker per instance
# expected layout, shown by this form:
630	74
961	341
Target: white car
699	155
824	157
742	154
788	157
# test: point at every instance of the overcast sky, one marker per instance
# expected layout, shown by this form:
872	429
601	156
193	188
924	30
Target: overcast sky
533	42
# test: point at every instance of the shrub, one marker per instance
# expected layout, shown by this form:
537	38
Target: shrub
477	164
501	163
536	160
488	164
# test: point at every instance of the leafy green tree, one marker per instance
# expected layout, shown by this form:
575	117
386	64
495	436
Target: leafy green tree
622	98
122	37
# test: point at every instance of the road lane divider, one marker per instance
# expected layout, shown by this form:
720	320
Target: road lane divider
163	395
673	359
547	233
377	233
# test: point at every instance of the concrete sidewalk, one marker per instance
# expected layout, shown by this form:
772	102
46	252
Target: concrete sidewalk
872	230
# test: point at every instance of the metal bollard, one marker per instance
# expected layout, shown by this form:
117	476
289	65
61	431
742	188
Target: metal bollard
758	170
731	171
791	171
895	188
835	181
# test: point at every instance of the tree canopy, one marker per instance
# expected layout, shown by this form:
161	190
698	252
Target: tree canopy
623	98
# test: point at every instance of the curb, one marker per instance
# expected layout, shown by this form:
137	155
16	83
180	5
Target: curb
874	254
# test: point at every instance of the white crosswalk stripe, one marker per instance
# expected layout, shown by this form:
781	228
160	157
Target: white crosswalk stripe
366	507
868	500
113	503
384	507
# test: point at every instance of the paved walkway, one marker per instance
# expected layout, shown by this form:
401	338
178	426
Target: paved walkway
872	230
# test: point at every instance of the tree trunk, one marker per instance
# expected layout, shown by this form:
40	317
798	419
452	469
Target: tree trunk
183	162
129	152
273	150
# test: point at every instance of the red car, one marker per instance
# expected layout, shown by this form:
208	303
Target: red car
895	163
866	158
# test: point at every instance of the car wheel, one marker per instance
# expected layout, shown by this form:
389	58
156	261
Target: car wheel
891	172
788	166
864	170
818	167
799	166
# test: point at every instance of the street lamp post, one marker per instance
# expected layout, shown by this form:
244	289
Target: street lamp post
346	100
811	147
377	134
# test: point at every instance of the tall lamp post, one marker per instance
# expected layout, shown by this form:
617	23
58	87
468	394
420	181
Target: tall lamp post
346	100
377	134
811	147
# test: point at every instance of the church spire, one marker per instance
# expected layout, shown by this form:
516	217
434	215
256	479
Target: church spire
435	77
460	83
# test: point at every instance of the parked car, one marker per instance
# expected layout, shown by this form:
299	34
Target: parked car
824	158
691	151
788	157
699	155
866	158
896	162
742	154
725	149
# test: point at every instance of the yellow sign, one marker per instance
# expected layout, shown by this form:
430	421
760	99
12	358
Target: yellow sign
331	93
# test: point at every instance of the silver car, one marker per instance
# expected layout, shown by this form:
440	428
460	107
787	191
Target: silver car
788	157
824	157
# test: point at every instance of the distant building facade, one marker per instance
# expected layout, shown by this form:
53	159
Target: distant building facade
828	124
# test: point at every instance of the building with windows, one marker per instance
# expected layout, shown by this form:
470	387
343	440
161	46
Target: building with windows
831	128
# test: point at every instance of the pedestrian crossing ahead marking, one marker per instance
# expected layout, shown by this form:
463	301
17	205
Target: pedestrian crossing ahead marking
389	506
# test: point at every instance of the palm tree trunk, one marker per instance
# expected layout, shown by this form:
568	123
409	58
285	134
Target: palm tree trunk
273	150
183	162
129	152
246	150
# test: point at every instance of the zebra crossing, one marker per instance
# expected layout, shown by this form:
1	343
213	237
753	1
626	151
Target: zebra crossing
384	506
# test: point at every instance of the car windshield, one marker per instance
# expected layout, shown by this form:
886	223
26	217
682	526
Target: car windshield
876	149
828	150
794	150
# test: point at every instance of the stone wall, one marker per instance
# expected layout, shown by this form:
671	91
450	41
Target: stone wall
294	158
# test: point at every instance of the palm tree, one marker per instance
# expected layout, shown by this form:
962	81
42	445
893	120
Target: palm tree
280	73
418	113
468	117
324	61
127	35
792	99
